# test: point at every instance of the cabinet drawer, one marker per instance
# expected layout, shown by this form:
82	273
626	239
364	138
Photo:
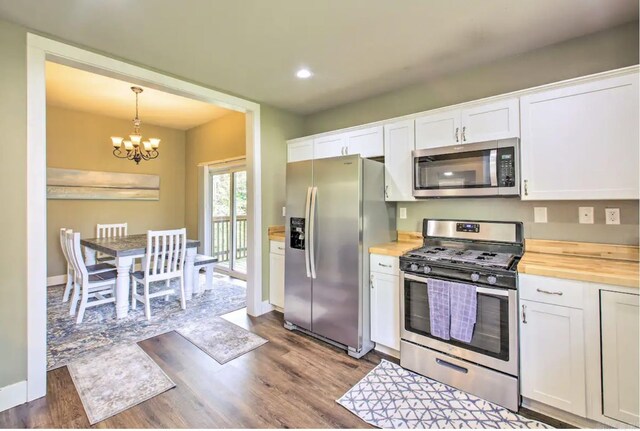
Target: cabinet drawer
277	247
385	264
549	290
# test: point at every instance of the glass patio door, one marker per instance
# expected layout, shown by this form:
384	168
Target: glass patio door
229	220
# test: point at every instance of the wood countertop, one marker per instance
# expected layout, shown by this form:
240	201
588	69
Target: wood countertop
276	233
596	263
406	242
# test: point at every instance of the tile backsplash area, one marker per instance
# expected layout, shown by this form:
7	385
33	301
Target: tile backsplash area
562	217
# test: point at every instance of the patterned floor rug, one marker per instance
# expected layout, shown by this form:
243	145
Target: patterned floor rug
100	330
221	340
391	397
117	379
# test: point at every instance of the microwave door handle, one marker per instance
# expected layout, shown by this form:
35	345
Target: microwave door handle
493	167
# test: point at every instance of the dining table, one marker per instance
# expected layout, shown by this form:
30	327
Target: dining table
125	249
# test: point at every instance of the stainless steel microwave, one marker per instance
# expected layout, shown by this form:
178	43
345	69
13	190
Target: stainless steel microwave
489	168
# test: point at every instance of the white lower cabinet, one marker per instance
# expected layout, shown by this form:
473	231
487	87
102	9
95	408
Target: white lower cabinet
619	333
385	309
276	274
552	356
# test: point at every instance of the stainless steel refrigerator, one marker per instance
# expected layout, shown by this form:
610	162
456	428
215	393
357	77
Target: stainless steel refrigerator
335	211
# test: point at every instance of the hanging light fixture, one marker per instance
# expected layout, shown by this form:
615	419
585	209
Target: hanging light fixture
135	148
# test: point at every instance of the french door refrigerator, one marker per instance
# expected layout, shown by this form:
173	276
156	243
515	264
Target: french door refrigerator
335	211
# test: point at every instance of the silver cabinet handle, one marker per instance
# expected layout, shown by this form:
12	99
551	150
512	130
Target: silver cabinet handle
280	248
548	292
464	135
383	265
524	313
526	187
386	192
457	130
371	281
346	151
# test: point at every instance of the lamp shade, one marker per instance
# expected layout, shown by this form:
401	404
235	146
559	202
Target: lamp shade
135	139
128	145
155	142
116	141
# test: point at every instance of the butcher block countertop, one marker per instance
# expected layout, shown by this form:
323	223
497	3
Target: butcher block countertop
406	242
597	263
276	233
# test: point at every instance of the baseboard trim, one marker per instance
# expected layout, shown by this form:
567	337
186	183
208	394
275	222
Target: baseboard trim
266	307
561	415
56	280
387	351
13	395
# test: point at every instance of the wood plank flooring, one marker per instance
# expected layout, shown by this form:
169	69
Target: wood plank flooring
290	382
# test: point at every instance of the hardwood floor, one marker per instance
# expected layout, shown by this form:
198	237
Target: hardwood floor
290	382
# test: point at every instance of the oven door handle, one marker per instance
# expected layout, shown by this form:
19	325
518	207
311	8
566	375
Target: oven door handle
493	167
484	290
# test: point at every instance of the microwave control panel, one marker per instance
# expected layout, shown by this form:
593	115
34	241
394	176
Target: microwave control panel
506	167
297	233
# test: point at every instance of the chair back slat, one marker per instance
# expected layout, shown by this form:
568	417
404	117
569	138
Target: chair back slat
113	230
63	244
75	254
165	251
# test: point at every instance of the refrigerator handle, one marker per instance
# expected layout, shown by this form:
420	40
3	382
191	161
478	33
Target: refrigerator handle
311	234
306	216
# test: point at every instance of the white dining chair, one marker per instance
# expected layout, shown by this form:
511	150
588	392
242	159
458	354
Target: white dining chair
91	269
91	290
164	261
113	230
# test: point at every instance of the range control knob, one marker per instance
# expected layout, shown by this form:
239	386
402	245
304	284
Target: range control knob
475	276
426	269
492	279
413	267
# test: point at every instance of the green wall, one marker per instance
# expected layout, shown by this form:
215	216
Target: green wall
611	49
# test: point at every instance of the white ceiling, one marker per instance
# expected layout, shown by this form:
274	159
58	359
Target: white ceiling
356	48
76	89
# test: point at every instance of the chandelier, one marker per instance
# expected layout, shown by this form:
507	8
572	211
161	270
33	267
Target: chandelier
135	148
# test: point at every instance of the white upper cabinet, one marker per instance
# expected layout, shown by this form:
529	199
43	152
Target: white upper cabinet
620	356
580	141
489	121
329	146
399	141
367	142
438	130
300	150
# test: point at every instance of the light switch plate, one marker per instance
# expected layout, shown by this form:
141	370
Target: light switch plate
612	215
403	213
540	214
585	215
284	211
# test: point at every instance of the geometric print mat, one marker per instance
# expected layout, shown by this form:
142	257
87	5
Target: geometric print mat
392	397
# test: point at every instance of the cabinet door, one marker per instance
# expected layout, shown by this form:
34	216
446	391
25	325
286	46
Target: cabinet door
552	356
581	141
301	150
399	141
366	142
385	309
329	146
619	320
438	130
276	279
489	121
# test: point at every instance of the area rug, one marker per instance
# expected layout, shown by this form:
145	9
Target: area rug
100	329
221	340
391	397
117	379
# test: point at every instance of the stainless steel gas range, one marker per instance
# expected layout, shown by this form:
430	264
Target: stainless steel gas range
484	255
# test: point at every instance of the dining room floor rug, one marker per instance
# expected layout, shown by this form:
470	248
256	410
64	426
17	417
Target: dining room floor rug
117	379
100	329
391	397
220	339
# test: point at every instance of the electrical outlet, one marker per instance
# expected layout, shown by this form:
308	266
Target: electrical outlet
403	213
612	215
284	211
540	214
585	215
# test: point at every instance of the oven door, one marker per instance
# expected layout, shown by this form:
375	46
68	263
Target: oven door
495	337
482	169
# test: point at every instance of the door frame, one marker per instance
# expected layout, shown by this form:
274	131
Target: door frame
226	167
41	49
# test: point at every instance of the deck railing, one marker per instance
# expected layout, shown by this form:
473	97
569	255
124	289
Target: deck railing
221	240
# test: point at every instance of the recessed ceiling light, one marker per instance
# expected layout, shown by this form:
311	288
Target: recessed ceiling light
448	174
304	73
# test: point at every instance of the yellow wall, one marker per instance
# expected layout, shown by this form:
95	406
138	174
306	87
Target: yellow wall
222	138
79	140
